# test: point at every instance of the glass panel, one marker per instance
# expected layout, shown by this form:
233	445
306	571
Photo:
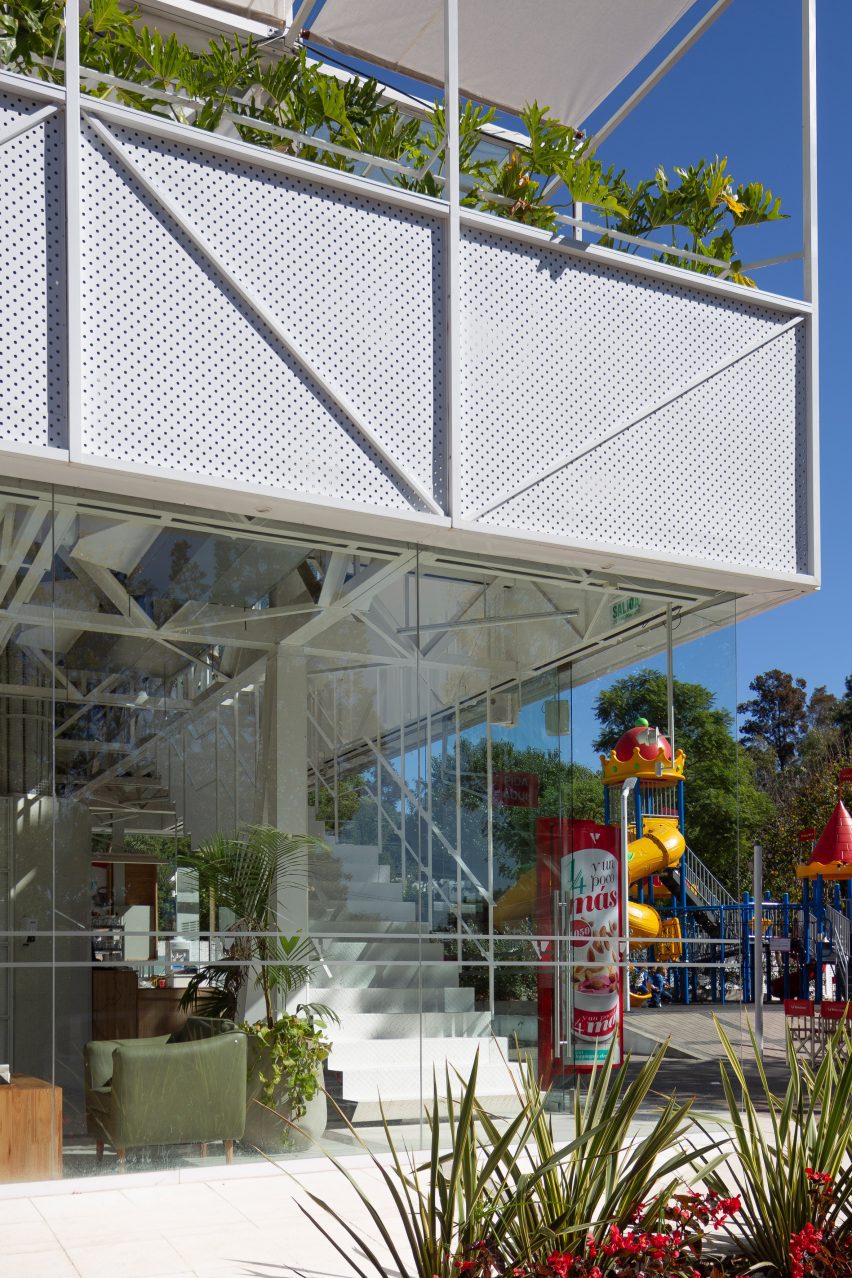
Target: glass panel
436	727
30	1007
658	704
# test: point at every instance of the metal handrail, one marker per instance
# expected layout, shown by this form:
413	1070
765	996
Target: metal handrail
840	938
711	890
384	763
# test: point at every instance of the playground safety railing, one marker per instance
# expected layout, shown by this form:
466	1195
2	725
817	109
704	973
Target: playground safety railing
838	928
703	883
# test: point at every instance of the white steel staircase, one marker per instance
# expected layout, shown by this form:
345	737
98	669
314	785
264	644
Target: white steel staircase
403	1014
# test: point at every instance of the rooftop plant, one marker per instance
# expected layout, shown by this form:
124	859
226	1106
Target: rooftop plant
266	99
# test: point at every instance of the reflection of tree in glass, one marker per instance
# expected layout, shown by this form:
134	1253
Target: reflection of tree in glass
350	791
718	769
564	789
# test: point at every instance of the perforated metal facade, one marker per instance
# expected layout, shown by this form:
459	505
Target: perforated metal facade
244	324
188	379
558	353
32	270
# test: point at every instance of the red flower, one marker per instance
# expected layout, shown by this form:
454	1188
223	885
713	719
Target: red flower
561	1262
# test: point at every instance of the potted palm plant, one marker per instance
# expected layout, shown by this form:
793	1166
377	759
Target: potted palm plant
244	875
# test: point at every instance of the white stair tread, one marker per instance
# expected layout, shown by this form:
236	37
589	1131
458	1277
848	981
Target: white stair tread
388	911
346	999
369	1028
383	1053
405	1082
386	950
359	890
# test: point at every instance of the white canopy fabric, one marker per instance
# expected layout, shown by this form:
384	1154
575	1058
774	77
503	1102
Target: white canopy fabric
567	55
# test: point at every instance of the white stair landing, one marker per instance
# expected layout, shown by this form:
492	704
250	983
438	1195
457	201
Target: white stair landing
395	1075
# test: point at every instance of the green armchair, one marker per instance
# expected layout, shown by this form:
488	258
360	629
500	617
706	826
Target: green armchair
154	1091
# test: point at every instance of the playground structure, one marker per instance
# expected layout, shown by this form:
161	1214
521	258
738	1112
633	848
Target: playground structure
680	915
805	942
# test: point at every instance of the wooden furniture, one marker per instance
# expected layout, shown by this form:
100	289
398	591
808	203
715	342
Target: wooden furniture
113	1003
121	1010
30	1130
158	1012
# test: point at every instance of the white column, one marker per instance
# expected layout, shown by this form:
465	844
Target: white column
452	191
286	769
73	233
811	272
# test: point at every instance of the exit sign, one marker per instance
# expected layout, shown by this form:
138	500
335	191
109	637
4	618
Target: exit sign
625	609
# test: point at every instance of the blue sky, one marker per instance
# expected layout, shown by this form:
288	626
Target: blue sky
738	93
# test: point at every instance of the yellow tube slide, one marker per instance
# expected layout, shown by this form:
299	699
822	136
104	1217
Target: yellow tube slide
661	847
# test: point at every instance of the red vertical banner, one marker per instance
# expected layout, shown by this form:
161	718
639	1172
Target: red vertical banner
580	913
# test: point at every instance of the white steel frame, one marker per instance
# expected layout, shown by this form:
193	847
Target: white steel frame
299	505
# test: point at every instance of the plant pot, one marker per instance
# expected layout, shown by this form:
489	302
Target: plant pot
267	1124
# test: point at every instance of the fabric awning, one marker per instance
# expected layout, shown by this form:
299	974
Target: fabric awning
565	54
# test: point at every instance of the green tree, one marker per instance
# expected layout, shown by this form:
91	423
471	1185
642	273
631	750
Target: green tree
777	714
806	797
725	810
843	713
822	709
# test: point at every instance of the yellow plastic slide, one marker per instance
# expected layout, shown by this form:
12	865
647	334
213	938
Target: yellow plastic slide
661	847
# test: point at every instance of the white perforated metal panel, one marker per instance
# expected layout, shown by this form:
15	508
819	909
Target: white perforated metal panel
558	351
188	379
32	272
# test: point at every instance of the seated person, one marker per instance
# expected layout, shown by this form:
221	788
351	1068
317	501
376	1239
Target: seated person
657	984
640	981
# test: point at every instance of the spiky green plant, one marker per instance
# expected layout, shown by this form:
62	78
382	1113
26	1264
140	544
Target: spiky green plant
509	1185
609	1174
293	94
774	1155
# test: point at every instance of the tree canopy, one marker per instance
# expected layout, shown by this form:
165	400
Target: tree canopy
777	714
725	810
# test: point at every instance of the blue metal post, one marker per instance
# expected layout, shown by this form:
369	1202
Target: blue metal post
767	951
745	951
606	805
637	800
819	910
785	924
806	937
722	925
687	949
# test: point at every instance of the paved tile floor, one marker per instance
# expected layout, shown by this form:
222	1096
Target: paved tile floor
247	1226
246	1221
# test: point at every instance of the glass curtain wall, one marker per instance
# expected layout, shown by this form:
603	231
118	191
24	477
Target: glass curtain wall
180	685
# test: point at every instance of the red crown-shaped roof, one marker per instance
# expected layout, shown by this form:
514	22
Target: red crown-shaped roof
832	854
649	741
